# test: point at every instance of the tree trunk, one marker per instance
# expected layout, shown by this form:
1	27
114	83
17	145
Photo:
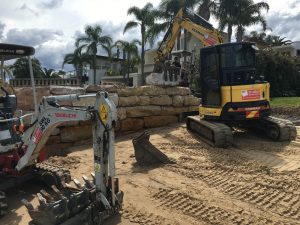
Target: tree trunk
239	33
123	66
80	73
94	62
229	31
128	67
143	54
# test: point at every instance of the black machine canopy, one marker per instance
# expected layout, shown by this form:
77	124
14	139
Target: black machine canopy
12	51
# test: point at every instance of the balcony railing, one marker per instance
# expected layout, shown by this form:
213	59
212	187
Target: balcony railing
45	82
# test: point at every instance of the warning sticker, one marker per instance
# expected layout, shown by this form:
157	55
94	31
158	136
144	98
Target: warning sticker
103	113
250	94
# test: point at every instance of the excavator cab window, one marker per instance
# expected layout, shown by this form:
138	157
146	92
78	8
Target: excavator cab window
210	82
237	65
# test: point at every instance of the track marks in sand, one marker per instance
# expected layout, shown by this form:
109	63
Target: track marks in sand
278	196
203	210
141	216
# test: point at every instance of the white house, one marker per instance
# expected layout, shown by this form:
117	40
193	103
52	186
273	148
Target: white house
291	50
105	66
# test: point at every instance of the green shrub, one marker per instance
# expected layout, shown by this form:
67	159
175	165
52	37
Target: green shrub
281	72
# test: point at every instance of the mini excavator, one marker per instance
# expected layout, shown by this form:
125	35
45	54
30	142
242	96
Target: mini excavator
233	94
22	155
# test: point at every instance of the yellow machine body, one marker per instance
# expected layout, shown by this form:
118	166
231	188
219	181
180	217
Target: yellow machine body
244	99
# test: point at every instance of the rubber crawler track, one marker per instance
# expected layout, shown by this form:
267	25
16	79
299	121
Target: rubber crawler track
215	134
287	130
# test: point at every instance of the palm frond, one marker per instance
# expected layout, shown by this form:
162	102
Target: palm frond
134	10
129	25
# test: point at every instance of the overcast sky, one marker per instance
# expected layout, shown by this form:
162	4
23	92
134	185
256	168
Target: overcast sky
52	25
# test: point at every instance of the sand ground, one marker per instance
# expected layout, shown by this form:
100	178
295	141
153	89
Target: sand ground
256	181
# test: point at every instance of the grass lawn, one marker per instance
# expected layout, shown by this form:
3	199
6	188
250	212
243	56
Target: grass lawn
285	102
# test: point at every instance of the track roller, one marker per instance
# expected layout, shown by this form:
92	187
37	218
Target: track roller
213	133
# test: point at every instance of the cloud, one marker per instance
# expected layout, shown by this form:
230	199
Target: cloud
294	4
32	36
52	56
285	25
51	45
2	26
24	7
50	4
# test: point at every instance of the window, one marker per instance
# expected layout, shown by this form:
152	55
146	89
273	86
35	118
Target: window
298	53
237	56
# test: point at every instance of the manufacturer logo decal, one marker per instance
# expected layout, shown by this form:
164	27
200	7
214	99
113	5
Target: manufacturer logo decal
65	115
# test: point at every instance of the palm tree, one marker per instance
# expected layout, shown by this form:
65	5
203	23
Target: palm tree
20	68
77	59
205	8
249	14
48	73
263	40
275	40
257	37
91	40
7	72
240	13
130	49
144	18
108	47
225	12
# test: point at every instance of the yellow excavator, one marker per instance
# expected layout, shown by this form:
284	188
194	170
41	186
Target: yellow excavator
233	94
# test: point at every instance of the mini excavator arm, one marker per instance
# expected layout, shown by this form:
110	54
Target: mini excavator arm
98	198
193	23
50	115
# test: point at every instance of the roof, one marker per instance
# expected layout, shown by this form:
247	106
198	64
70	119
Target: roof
12	51
229	44
107	58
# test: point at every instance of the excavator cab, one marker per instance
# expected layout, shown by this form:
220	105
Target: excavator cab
230	83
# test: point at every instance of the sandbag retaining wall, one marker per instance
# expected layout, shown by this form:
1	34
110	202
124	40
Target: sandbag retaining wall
137	108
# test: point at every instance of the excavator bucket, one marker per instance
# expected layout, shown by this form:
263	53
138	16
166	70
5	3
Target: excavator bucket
147	154
72	205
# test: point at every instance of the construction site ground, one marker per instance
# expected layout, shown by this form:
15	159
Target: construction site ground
256	181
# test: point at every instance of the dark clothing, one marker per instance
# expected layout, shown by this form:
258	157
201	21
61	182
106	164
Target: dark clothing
177	64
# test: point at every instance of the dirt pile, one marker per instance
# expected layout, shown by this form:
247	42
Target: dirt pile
69	162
